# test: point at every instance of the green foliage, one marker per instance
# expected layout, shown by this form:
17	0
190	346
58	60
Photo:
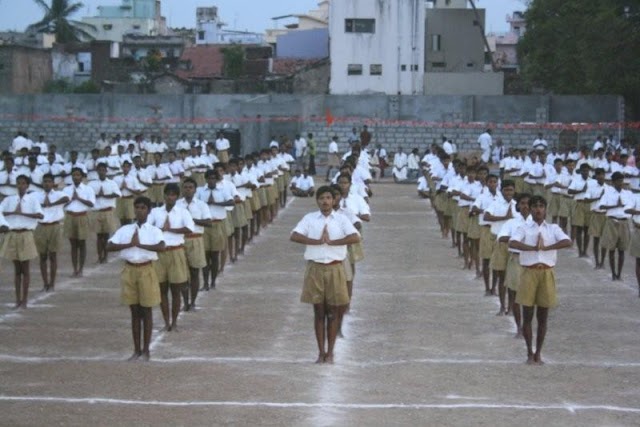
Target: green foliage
583	47
57	20
87	87
153	61
233	61
64	86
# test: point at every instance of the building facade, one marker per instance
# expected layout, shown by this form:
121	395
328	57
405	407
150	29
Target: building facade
142	17
210	30
377	47
504	45
24	70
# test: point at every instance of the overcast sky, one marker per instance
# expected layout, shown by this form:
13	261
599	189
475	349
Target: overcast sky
252	15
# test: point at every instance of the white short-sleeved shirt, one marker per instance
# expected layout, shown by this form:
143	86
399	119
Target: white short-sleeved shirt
333	147
356	204
578	184
312	226
500	208
305	183
177	169
529	233
51	213
198	210
147	234
108	187
509	228
596	191
222	144
183	145
84	192
159	173
300	146
220	195
28	204
69	167
178	218
473	190
611	197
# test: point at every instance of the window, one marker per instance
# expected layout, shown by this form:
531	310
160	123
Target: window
436	42
354	70
375	69
438	64
415	67
200	35
403	67
107	27
360	25
136	27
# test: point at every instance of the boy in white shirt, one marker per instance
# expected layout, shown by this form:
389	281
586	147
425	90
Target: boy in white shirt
326	235
172	268
76	223
21	214
538	243
303	186
138	244
103	218
48	233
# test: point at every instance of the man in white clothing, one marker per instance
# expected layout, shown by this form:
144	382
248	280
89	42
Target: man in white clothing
485	142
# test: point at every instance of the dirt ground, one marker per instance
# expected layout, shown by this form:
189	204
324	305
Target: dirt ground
422	344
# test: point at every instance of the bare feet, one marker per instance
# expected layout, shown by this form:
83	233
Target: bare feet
145	356
328	358
320	359
530	359
487	293
205	288
173	328
501	312
18	305
23	305
135	356
518	335
537	359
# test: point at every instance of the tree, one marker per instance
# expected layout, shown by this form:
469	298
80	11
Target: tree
233	61
57	20
583	47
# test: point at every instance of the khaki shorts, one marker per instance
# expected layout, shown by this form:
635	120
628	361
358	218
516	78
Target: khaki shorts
238	216
325	283
76	226
355	253
519	184
333	160
581	215
596	224
473	232
348	271
565	209
156	193
463	219
103	222
255	201
19	246
487	242
454	209
554	205
215	237
537	288
262	194
280	184
615	235
248	214
441	202
228	224
500	256
194	249
139	285
172	266
223	156
48	238
514	271
272	195
125	209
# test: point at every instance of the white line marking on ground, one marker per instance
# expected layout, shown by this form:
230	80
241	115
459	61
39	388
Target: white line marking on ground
570	407
309	361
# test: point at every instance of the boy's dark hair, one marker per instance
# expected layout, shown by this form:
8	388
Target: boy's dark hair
324	189
144	201
172	187
537	199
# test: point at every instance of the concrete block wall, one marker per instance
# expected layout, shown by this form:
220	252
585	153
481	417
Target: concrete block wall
76	121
